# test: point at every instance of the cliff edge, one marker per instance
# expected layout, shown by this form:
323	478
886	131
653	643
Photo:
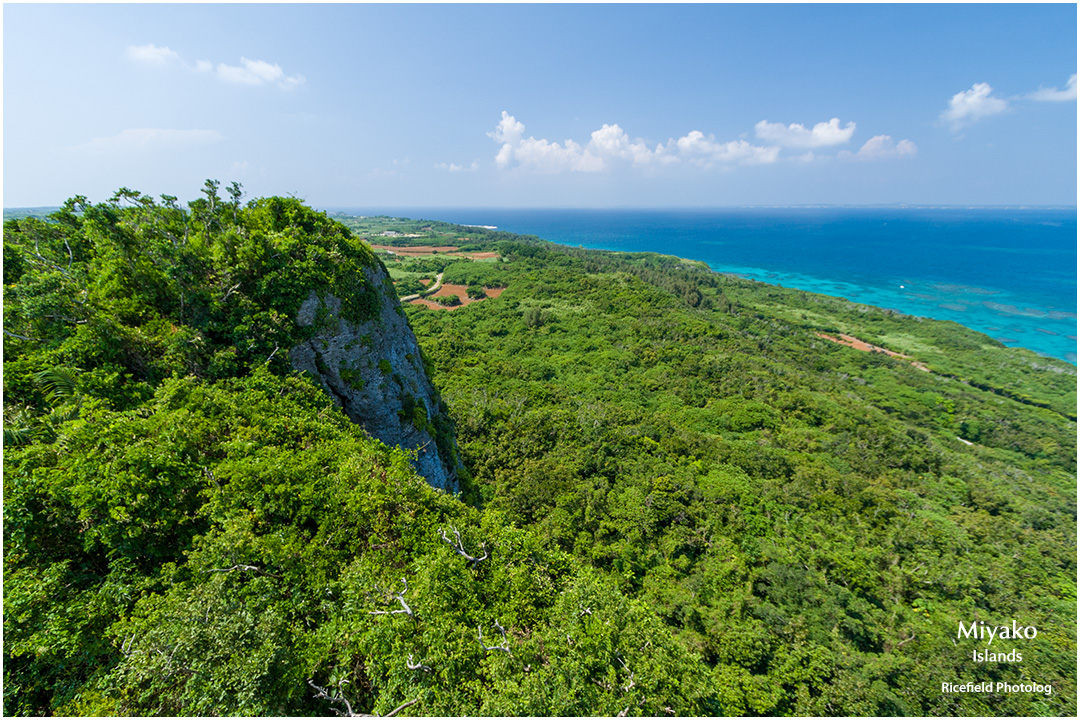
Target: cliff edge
374	372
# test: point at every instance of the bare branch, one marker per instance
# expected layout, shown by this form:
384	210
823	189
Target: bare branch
20	337
243	568
904	642
459	547
324	695
233	289
400	597
505	647
622	713
629	685
415	665
248	568
125	648
401	707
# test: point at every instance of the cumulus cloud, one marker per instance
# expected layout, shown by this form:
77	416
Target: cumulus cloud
611	141
540	155
797	136
152	54
970	106
1055	95
551	157
882	147
146	139
705	151
611	146
257	72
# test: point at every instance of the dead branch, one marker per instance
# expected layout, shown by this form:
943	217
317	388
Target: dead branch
629	685
400	597
459	547
243	568
20	337
505	647
415	665
904	642
401	707
322	694
622	713
233	289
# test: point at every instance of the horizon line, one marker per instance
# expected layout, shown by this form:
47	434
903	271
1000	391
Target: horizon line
759	206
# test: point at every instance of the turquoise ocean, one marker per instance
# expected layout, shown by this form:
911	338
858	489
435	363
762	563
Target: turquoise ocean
1010	273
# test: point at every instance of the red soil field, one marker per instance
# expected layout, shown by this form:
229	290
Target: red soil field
460	291
854	342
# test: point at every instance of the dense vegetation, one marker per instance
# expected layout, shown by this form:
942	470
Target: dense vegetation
679	498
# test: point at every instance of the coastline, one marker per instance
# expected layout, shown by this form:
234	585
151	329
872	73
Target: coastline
1007	272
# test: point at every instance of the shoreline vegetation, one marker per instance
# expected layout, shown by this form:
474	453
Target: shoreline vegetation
682	492
966	254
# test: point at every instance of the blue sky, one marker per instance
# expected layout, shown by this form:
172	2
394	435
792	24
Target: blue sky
544	105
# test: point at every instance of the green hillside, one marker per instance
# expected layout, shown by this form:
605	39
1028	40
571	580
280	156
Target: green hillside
679	497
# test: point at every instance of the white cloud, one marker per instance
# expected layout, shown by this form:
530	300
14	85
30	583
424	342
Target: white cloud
145	139
454	167
882	147
540	155
248	72
509	130
611	141
610	146
152	54
797	136
257	72
551	157
972	105
1055	95
705	152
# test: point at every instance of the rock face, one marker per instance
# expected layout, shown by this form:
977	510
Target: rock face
373	371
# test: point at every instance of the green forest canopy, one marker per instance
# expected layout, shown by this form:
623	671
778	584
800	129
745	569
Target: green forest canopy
679	498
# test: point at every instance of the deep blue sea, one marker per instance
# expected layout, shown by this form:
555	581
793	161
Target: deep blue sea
1010	273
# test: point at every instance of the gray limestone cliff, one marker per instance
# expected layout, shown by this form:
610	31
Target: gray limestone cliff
374	372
